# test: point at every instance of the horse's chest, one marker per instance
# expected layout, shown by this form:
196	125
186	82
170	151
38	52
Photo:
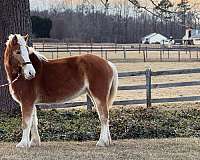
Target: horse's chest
14	94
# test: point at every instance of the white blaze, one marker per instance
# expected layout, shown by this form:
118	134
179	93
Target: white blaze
29	71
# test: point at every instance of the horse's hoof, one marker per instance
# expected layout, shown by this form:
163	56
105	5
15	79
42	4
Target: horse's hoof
23	145
101	143
35	143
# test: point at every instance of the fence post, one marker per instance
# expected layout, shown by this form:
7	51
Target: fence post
106	54
91	46
168	54
144	56
115	48
124	52
101	51
179	56
57	50
139	47
160	55
51	55
79	48
89	103
43	46
148	87
67	47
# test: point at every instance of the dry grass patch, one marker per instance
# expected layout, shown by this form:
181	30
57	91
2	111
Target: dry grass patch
151	149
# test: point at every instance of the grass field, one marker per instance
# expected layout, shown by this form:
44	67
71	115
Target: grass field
139	149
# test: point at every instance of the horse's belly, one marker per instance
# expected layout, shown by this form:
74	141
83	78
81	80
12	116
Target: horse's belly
60	97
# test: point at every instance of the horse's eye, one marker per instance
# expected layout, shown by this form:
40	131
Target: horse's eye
18	52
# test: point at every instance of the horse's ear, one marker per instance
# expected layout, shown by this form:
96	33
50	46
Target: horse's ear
26	37
14	40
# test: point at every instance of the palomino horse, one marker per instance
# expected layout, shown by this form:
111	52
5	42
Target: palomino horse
37	80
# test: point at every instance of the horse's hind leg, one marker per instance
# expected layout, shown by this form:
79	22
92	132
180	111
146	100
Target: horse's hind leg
105	138
35	138
27	111
103	112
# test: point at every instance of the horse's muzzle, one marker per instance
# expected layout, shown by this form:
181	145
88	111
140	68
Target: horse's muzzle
29	71
29	76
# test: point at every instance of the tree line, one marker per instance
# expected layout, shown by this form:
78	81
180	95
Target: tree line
86	23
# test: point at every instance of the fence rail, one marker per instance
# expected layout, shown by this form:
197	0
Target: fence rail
148	86
112	49
164	52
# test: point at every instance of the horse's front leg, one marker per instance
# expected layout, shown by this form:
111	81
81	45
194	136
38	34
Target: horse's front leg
35	138
27	117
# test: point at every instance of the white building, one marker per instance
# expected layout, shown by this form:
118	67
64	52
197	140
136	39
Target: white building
192	36
155	38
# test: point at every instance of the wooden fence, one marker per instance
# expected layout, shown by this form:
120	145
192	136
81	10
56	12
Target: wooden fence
104	49
148	87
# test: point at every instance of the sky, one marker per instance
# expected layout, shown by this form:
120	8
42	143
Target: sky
46	4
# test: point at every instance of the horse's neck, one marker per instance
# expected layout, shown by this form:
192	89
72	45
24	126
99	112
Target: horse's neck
36	61
6	55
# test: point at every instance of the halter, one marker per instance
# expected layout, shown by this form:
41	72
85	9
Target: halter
25	63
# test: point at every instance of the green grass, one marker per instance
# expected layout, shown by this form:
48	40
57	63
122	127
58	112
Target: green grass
81	125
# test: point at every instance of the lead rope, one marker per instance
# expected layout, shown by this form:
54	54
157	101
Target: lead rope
7	84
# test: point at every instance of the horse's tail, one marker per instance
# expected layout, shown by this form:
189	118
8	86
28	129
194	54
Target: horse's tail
114	85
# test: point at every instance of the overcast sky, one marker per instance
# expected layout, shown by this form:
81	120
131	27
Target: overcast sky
46	4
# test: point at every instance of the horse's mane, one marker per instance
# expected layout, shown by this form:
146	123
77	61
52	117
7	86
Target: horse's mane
9	39
39	56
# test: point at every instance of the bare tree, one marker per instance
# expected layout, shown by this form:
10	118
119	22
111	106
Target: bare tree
14	18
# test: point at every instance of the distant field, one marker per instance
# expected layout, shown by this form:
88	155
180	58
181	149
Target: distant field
139	149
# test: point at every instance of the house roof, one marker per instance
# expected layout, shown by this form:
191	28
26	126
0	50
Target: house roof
152	35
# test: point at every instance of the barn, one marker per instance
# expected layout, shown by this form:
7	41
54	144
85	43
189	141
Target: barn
154	38
192	36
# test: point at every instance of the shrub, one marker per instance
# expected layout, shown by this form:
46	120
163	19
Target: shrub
124	123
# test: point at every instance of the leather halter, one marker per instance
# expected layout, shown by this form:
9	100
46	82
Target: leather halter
25	63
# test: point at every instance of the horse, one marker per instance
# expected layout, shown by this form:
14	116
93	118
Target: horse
33	79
